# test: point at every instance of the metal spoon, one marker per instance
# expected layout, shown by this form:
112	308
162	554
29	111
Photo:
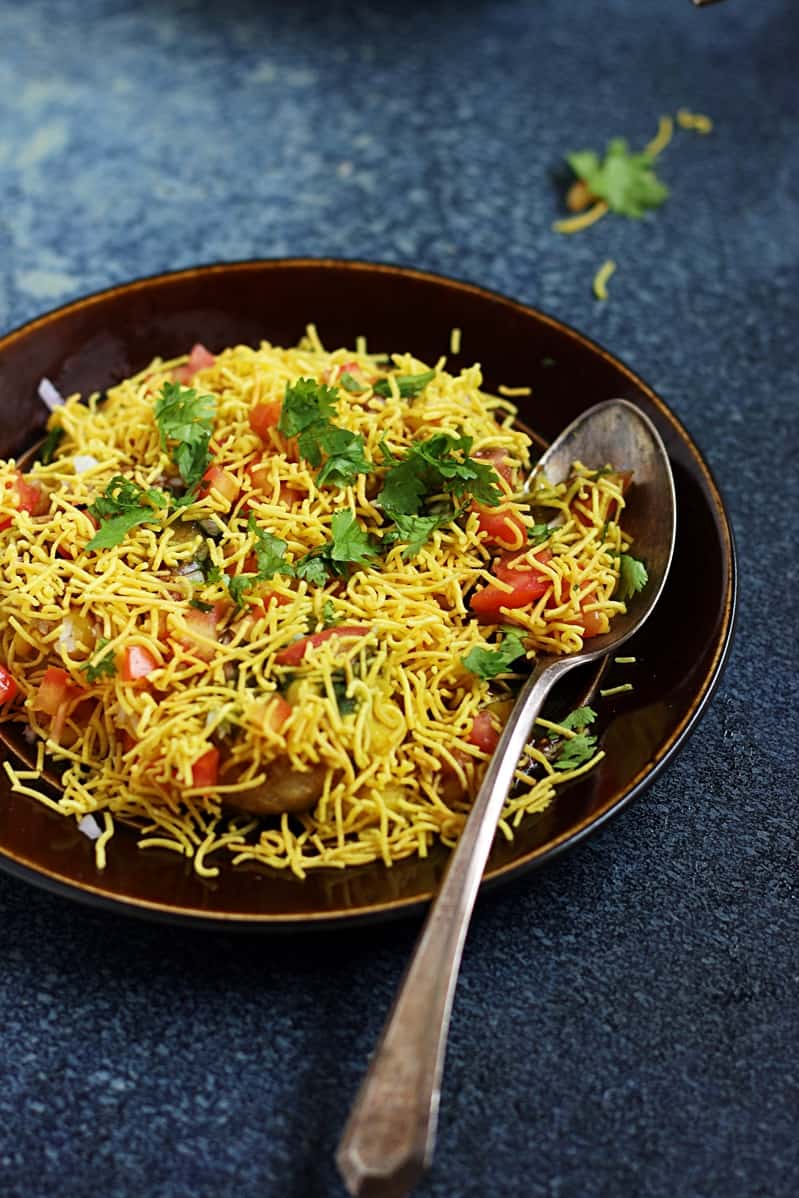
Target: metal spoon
388	1141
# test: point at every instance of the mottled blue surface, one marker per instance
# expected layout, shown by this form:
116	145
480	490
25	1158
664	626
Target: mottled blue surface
626	1023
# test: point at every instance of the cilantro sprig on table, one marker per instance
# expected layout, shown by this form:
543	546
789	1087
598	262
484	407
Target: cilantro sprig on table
306	414
122	506
623	178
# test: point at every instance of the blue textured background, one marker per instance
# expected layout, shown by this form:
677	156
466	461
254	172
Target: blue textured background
626	1022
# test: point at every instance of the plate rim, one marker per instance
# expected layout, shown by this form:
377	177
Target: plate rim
94	896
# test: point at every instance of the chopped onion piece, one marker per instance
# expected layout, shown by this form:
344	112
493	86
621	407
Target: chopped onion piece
193	571
66	636
83	462
50	396
88	825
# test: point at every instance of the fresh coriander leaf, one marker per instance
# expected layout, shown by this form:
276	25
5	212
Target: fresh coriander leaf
626	181
270	552
441	463
633	576
237	584
200	605
346	459
575	752
185	421
404	488
211	572
538	533
389	459
313	568
487	663
408	384
122	506
329	617
579	719
351	384
416	530
101	665
350	542
347	704
50	445
305	403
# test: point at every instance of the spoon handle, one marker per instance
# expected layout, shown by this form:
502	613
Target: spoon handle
389	1137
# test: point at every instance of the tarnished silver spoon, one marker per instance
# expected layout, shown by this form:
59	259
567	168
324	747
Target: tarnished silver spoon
390	1134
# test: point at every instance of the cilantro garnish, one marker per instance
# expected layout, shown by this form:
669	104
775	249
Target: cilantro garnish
101	665
538	533
305	414
575	752
626	181
487	663
349	545
416	530
199	605
270	557
346	703
122	506
407	384
633	577
329	616
50	445
579	719
441	463
185	421
351	384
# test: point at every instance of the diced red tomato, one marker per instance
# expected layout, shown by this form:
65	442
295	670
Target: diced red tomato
502	526
483	733
56	689
293	654
199	358
273	713
205	771
30	497
274	599
264	416
136	662
527	583
201	627
8	686
221	481
499	460
591	623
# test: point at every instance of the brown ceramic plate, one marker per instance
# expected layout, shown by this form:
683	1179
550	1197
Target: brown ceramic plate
92	343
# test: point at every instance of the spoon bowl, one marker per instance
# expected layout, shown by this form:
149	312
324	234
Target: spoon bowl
389	1137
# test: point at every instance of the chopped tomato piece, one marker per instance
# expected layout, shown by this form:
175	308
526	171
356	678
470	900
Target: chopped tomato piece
27	497
201	628
221	481
264	416
591	623
499	460
8	686
137	662
274	599
273	714
293	654
483	733
502	526
199	358
205	771
527	584
54	697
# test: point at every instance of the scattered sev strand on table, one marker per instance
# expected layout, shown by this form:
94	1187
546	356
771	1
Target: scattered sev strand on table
601	279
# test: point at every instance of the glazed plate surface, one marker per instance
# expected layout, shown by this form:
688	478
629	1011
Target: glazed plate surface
94	342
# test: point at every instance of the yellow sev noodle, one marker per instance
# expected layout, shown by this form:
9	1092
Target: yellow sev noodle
397	759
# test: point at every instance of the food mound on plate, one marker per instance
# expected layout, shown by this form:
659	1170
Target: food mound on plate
273	604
